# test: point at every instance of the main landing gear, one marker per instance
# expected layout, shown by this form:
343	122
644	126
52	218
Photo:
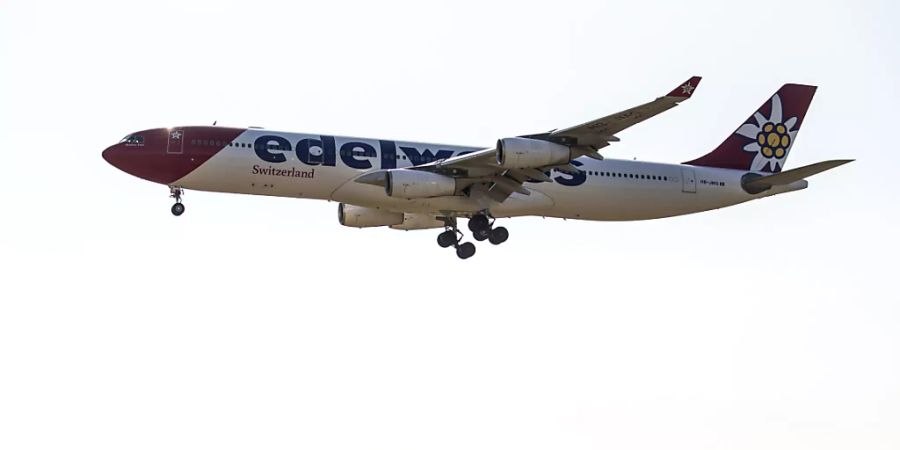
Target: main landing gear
453	237
482	228
175	192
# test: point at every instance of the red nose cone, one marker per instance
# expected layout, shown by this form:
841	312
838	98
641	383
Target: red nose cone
144	162
112	157
167	155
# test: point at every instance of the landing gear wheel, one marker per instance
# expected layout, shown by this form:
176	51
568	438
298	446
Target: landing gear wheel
466	250
498	235
481	235
447	238
175	192
479	222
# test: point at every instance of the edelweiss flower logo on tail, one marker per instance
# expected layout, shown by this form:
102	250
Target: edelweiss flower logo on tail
772	138
762	141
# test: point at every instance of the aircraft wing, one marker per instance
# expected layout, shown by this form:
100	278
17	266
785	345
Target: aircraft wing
599	132
590	136
480	172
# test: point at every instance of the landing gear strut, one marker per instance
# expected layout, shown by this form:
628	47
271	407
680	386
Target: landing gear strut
451	236
175	192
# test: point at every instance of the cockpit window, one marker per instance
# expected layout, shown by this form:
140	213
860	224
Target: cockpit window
132	139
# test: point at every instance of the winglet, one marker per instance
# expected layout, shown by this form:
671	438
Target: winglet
686	89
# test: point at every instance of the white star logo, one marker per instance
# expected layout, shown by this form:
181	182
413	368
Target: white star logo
687	89
175	135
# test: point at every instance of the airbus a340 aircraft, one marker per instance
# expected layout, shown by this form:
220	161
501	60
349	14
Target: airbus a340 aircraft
411	185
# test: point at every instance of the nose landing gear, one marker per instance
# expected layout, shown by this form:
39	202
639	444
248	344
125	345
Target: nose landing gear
175	192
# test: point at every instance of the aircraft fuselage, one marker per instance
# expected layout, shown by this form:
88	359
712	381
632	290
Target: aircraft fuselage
323	167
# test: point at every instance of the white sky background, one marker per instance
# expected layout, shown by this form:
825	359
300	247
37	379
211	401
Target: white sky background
255	322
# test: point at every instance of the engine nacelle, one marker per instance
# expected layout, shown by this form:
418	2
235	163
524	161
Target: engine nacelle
362	217
406	183
521	153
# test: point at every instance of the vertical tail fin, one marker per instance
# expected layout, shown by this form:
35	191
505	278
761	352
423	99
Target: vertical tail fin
763	141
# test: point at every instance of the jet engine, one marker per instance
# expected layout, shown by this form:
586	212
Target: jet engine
406	183
521	153
362	217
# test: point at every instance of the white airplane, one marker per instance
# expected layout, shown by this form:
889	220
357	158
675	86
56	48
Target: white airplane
411	185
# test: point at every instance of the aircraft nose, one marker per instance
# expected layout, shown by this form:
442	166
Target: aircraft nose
165	155
111	156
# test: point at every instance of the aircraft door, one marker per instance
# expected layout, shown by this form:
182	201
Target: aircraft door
176	142
688	180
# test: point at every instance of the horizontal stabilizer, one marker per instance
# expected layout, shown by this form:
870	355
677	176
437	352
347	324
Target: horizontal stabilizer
762	183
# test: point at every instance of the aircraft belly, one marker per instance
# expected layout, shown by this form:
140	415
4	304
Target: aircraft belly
375	196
